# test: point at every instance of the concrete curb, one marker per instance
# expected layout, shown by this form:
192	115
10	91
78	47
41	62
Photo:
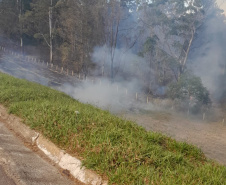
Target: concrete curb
57	155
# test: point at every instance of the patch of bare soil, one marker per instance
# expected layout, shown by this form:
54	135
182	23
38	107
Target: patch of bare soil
209	137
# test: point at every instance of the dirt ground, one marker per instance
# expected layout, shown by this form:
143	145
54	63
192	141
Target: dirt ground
209	137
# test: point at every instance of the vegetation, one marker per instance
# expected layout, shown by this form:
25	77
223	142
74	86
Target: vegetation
118	149
68	31
190	92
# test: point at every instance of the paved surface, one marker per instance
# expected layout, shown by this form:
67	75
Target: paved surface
21	166
4	178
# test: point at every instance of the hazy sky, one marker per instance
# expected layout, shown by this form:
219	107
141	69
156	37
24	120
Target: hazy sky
222	4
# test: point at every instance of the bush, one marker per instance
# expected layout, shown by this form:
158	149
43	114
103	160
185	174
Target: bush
189	93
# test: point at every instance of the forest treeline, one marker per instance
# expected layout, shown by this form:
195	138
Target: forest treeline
146	40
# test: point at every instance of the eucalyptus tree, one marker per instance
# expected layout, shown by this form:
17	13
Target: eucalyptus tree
38	22
121	32
172	25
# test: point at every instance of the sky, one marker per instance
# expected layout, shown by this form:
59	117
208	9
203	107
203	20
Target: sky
222	5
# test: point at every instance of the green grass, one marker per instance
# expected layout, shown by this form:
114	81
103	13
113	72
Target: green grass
117	149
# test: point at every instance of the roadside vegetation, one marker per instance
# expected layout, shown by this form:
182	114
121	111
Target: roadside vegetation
189	93
118	149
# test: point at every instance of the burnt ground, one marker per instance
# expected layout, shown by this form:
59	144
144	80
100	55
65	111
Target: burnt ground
210	137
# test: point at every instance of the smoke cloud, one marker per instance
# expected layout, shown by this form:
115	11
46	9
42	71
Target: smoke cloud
126	93
208	56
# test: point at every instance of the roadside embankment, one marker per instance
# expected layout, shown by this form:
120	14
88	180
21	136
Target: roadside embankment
118	150
58	156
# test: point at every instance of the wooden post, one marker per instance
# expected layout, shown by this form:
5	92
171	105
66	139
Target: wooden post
72	73
147	100
62	69
79	76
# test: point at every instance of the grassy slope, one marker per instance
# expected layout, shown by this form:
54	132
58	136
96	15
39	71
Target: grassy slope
114	147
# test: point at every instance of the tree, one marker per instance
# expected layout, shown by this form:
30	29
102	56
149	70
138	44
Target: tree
11	12
121	31
38	22
9	19
78	30
174	23
190	89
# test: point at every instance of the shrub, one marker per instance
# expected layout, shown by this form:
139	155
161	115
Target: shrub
189	92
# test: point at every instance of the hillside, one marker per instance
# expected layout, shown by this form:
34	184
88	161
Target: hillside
117	149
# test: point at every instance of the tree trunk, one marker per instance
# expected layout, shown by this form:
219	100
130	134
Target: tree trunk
50	32
21	44
183	63
188	50
112	70
20	9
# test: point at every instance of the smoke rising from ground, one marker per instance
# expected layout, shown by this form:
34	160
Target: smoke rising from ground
132	74
126	93
208	56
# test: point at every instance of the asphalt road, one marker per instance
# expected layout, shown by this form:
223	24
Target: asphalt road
5	179
21	166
